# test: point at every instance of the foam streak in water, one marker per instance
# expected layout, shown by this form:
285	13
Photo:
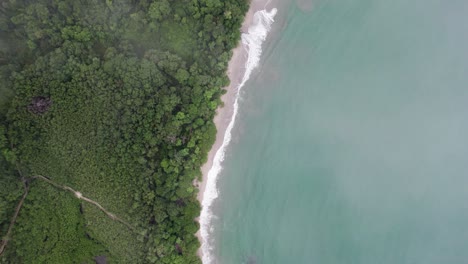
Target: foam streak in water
252	42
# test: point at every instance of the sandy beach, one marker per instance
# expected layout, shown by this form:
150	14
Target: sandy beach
235	72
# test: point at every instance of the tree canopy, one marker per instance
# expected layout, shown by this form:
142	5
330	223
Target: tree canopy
115	98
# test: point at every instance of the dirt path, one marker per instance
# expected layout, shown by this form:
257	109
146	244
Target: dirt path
77	194
81	197
5	240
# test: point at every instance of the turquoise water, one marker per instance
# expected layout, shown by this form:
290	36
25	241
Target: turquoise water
351	144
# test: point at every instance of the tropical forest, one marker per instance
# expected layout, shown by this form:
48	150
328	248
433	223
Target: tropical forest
106	110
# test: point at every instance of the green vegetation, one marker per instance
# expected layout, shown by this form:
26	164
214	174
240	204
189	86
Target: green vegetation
114	98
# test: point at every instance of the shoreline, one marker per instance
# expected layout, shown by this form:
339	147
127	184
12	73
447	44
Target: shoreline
235	72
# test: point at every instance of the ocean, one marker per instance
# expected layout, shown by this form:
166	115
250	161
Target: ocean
350	143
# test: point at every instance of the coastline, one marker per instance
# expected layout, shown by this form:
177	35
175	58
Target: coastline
236	71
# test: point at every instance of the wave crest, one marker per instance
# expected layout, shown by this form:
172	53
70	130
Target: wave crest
252	41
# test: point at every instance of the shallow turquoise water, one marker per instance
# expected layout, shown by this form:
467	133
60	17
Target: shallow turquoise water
352	140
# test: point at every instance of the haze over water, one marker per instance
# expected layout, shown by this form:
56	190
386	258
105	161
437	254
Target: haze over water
351	144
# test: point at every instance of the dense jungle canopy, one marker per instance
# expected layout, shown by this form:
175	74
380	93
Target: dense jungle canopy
114	98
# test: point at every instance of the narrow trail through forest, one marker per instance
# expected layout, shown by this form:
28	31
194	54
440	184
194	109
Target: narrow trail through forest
5	239
80	196
77	194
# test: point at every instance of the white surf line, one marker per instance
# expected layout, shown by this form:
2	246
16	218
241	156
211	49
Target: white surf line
252	43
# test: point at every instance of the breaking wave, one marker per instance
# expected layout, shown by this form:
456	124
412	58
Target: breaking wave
252	43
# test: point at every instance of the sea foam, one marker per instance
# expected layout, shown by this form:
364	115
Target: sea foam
252	43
